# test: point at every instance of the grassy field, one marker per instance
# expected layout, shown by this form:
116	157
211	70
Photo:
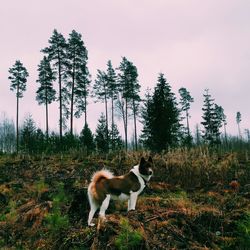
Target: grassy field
189	204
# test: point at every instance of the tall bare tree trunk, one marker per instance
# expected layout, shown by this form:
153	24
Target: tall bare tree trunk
85	113
72	100
126	124
188	130
60	97
135	127
17	126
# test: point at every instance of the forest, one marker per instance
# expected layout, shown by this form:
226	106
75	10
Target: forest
198	197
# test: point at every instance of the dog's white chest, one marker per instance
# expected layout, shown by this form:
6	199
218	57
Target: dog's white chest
121	197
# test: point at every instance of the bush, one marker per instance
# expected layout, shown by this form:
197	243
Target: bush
243	231
128	237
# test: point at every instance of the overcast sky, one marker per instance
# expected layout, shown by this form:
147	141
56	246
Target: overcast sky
196	44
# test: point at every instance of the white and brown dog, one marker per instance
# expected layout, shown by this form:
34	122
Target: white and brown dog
104	185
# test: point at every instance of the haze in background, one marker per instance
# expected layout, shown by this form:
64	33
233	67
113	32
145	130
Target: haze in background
196	44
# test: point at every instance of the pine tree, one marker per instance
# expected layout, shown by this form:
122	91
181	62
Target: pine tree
45	93
101	135
57	54
113	90
161	118
185	102
77	56
129	88
87	139
18	77
82	92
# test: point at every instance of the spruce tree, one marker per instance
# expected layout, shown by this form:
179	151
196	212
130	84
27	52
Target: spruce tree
212	120
18	77
161	117
57	54
87	139
146	115
77	57
28	135
102	142
45	93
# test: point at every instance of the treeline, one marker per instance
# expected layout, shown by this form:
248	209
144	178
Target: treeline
63	77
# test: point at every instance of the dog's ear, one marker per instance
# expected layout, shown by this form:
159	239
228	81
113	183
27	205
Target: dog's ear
150	159
142	161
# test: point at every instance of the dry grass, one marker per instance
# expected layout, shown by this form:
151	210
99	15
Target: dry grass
188	205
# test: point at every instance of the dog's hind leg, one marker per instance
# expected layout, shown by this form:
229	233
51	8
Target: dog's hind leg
104	206
93	207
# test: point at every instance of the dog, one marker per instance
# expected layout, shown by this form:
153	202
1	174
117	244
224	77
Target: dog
104	186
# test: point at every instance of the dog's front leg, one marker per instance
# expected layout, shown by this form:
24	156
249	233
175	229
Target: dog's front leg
132	201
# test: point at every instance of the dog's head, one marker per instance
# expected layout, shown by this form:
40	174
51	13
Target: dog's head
146	167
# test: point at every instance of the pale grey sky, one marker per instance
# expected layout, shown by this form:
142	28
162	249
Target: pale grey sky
196	44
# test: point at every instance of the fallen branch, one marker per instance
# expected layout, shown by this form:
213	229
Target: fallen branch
160	215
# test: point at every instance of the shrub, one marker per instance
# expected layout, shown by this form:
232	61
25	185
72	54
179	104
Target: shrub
128	237
243	231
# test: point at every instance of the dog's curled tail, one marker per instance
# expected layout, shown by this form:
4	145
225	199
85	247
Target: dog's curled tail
106	174
93	193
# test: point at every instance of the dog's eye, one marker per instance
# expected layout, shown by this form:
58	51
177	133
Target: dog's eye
150	172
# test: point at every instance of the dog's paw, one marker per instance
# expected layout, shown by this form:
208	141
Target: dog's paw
91	224
131	210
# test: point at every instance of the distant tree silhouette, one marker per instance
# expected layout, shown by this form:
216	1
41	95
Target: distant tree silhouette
18	77
28	135
46	93
185	102
161	118
106	88
57	54
101	93
7	135
77	72
198	137
238	121
115	138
